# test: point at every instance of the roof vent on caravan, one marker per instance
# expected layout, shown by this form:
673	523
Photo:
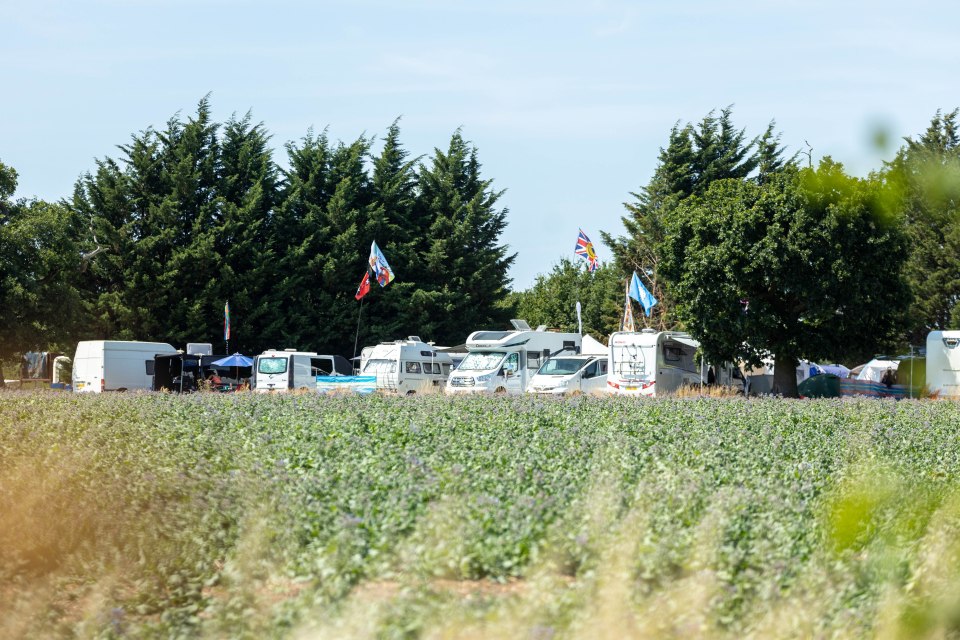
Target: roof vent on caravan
647	330
290	350
414	339
541	327
520	325
199	349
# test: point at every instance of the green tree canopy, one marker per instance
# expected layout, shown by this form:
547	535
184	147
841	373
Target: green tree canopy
695	157
806	265
553	297
926	178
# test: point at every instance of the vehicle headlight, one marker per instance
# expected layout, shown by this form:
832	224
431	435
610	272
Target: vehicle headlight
485	378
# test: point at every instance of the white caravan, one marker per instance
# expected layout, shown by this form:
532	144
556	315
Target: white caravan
505	361
943	364
406	366
275	370
650	363
115	365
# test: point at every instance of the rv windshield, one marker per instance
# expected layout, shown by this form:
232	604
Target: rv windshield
561	366
380	366
481	361
272	365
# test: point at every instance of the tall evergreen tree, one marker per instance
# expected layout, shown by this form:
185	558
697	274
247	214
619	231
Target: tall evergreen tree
695	158
926	175
463	268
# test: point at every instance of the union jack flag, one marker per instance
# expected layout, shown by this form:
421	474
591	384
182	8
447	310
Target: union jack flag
584	249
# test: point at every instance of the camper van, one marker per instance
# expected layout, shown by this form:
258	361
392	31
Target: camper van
406	366
650	363
506	361
115	365
943	364
275	370
571	372
563	374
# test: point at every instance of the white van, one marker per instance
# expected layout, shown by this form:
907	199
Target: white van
564	374
406	366
115	365
943	364
650	363
506	361
275	370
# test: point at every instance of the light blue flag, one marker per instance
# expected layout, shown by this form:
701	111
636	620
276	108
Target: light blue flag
639	293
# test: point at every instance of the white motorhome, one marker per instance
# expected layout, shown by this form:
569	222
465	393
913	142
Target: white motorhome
506	361
276	370
651	363
115	365
406	366
943	364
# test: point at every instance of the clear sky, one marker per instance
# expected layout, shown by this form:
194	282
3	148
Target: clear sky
568	102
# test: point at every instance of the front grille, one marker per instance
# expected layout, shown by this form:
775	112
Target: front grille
459	381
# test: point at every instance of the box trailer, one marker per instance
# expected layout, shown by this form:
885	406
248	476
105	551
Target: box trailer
115	365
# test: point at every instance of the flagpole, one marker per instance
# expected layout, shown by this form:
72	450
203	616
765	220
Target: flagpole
356	339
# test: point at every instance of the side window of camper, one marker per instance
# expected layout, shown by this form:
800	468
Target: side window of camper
672	354
413	367
446	370
533	361
321	366
432	367
603	367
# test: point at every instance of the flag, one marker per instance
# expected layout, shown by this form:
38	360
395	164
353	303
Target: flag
627	323
226	320
584	249
378	265
639	293
364	287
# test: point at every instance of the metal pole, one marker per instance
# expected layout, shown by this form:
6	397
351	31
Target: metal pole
356	339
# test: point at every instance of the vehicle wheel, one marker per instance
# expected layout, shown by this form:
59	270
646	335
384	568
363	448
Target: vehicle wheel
501	390
122	390
411	393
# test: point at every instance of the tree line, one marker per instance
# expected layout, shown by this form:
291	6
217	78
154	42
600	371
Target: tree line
754	251
153	243
760	256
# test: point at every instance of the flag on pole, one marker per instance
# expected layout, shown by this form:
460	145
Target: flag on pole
639	293
584	249
378	265
364	287
627	323
226	320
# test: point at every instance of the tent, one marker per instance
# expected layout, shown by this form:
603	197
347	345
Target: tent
590	346
873	371
824	385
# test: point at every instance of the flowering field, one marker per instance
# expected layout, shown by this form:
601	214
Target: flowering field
327	517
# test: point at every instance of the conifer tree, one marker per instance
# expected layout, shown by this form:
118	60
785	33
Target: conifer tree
463	267
926	175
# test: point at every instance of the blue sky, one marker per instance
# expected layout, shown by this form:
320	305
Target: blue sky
567	102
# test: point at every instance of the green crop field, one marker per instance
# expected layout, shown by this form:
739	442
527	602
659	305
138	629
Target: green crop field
328	517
